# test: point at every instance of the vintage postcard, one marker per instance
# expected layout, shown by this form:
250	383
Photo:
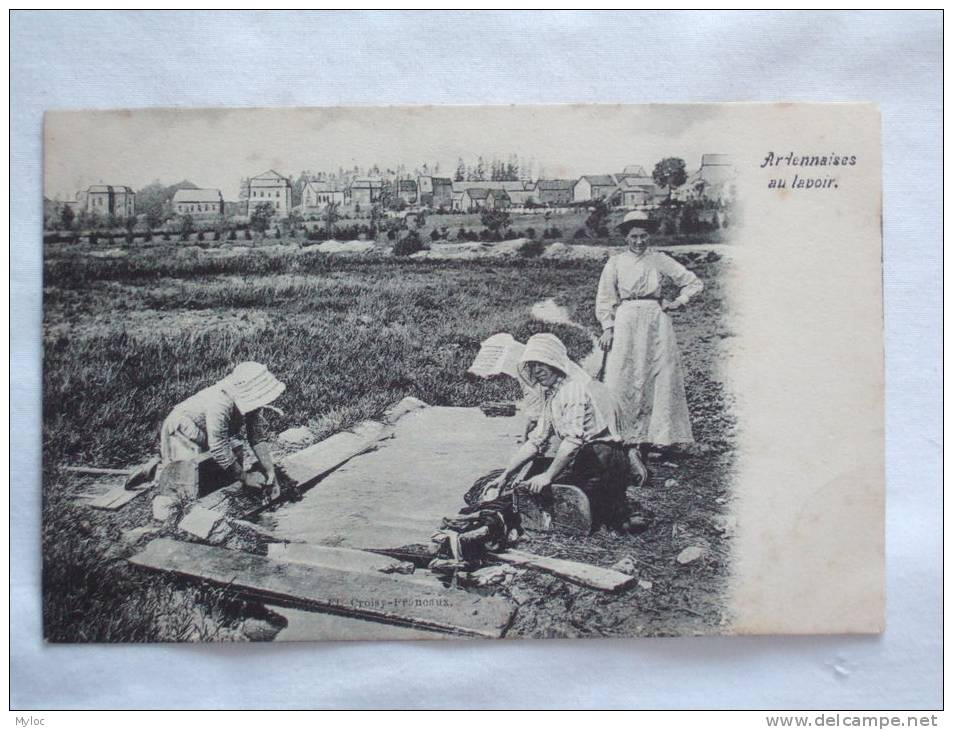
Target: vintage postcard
462	372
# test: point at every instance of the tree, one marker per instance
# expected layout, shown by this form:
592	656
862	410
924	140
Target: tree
596	222
67	216
261	217
330	217
186	227
480	169
670	173
495	220
461	172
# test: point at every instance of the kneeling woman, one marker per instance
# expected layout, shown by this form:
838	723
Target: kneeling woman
584	416
210	419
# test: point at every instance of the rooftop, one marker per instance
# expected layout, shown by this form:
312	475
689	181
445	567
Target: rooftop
200	195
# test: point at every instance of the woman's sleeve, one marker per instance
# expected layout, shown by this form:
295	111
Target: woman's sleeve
607	295
543	430
575	414
689	285
217	419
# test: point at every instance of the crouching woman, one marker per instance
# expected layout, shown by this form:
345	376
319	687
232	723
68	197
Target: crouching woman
584	416
213	417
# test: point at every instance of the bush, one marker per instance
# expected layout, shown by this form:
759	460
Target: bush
531	249
580	233
232	235
247	234
531	233
200	236
461	234
130	237
166	236
408	244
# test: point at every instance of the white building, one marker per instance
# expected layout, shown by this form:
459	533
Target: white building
270	187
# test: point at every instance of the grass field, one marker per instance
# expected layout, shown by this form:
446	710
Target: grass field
126	339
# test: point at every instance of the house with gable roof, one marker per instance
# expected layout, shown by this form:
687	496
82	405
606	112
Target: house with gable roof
270	187
198	202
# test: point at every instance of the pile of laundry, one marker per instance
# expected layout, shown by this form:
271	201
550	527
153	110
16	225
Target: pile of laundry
462	543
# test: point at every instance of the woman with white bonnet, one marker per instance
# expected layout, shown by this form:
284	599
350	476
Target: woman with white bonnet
582	414
643	365
210	419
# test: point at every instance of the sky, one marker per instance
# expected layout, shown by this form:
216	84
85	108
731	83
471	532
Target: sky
216	148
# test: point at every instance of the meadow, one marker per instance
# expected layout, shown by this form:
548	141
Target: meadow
127	338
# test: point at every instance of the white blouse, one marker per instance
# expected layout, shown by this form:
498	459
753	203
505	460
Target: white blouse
570	411
627	276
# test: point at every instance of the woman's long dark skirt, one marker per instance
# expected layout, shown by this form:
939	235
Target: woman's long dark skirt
601	470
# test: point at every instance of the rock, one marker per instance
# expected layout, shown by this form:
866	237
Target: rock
490	576
201	522
645	585
670	465
690	555
162	507
399	566
670	483
626	565
256	629
298	436
724	523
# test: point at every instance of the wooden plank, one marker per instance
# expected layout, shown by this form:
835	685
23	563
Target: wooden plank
117	497
358	561
313	626
592	576
364	595
97	471
314	462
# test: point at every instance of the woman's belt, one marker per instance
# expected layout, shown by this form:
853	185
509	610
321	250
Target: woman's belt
643	299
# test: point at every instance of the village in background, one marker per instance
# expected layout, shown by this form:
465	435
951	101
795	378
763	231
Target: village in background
407	209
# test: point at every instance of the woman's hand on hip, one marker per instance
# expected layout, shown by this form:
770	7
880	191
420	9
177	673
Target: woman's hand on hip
605	341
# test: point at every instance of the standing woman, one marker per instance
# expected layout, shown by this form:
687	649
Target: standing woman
643	365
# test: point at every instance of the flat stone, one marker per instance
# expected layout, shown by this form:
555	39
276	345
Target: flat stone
162	507
670	483
201	522
646	585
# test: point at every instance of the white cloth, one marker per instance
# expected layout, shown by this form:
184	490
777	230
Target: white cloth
643	368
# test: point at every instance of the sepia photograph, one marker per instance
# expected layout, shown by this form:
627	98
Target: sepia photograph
458	372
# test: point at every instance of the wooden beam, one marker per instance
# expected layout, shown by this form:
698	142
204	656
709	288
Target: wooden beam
358	561
310	464
98	471
116	497
591	576
364	595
